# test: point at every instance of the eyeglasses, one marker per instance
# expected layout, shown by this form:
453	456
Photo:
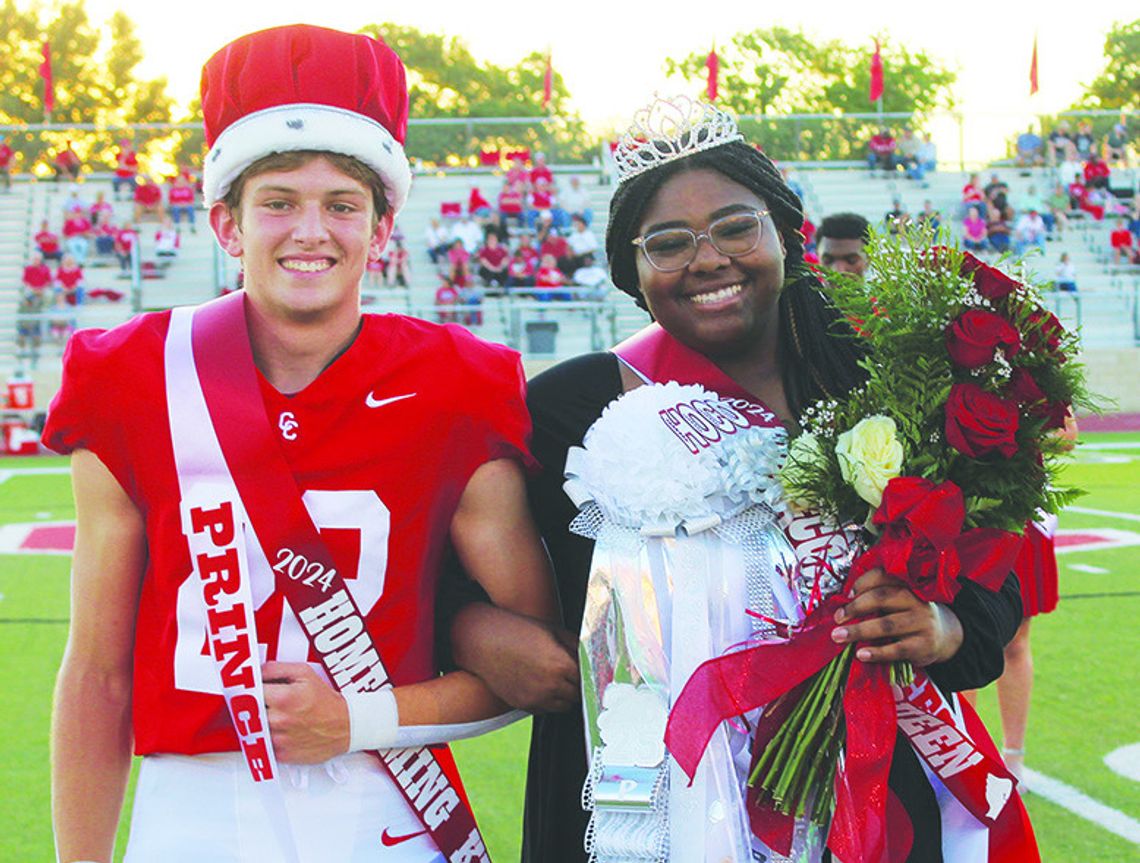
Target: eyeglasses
672	249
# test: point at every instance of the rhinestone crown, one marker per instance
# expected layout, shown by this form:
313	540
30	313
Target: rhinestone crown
669	129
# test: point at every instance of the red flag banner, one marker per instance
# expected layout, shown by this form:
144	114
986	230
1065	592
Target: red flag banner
876	74
1033	68
45	73
712	63
547	83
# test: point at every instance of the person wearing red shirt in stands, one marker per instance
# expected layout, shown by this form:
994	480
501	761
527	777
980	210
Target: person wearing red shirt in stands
553	244
180	198
1096	172
881	151
1079	198
66	161
540	171
1121	242
6	155
101	210
126	169
125	241
37	275
520	271
148	200
446	297
493	261
69	279
511	201
47	241
549	276
526	249
77	235
541	201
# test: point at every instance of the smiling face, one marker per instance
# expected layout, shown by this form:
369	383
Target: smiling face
304	236
717	305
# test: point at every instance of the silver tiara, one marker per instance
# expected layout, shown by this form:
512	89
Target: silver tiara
669	129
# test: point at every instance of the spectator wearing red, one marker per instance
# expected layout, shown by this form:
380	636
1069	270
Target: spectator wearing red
520	271
549	276
881	151
180	199
457	254
1079	198
553	244
493	262
67	162
148	200
77	230
69	280
517	173
446	298
477	205
1121	242
1096	172
126	170
101	210
47	242
511	201
37	275
540	171
541	201
126	240
527	250
6	156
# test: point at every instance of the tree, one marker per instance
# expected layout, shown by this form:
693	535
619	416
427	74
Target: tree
1118	86
776	72
446	81
94	84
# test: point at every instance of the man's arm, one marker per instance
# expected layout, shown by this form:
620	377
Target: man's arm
499	546
91	721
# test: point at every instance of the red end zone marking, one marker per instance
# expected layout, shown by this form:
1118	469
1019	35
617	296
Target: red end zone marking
56	537
1065	539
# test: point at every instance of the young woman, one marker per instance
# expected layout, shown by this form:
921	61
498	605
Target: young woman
704	234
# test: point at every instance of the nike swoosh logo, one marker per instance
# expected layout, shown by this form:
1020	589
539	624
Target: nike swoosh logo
374	402
388	840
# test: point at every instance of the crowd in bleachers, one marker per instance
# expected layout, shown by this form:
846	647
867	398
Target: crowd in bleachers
534	240
81	234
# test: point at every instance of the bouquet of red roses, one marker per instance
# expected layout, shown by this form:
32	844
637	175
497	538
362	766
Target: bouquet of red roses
939	459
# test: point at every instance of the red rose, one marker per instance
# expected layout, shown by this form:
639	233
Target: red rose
991	283
1023	389
974	335
979	423
1043	332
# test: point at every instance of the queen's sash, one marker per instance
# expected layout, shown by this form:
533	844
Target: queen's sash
236	487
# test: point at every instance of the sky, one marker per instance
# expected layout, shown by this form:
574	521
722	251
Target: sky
611	54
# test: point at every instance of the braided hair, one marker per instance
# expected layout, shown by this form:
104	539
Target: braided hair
817	353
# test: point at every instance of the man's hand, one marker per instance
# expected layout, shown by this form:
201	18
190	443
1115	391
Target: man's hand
529	664
892	624
308	719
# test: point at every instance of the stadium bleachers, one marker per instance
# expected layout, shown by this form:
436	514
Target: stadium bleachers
1106	306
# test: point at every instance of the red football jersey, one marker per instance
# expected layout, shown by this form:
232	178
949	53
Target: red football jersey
382	445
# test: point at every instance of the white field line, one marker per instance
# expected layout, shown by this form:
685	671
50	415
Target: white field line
1080	804
8	473
1092	570
1084	510
1108	445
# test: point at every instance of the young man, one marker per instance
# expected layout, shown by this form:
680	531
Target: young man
840	241
265	489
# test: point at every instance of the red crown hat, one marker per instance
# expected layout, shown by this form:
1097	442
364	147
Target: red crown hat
302	87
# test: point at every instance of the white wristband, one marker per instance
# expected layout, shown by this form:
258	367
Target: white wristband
373	719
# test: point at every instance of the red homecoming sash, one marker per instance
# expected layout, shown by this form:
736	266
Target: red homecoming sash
306	572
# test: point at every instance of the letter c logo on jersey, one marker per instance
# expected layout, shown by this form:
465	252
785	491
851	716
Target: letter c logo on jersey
288	424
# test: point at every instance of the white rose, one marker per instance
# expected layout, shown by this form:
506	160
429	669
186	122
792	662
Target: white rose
870	456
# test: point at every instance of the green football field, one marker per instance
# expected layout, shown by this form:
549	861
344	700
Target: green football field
1085	707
